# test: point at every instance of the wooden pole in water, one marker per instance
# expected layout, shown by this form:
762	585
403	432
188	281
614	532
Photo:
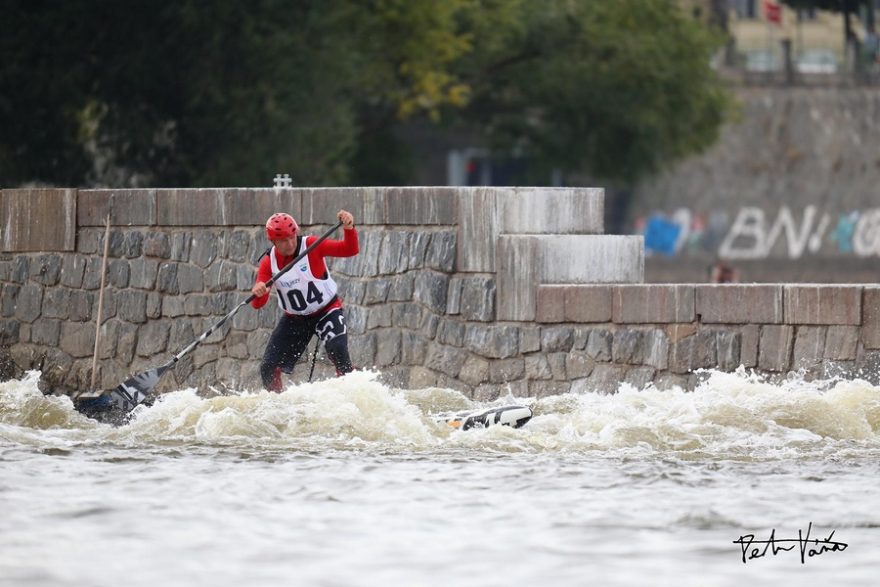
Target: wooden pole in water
100	303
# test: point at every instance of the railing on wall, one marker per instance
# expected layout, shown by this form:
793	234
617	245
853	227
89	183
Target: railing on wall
783	64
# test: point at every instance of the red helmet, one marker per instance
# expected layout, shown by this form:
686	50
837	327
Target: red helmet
280	226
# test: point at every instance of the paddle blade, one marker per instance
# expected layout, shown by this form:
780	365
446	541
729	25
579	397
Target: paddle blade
135	390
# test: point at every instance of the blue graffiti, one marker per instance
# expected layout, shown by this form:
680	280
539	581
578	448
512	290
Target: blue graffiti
844	231
661	235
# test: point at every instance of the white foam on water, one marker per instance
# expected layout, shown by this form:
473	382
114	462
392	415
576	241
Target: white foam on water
729	415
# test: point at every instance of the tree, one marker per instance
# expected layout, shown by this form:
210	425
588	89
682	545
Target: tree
615	89
39	129
167	93
232	92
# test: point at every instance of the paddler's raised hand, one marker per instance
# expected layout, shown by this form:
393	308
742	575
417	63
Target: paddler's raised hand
346	219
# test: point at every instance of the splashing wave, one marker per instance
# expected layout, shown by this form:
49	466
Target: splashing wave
730	415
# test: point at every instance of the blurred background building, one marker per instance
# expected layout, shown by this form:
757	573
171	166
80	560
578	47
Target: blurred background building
768	44
791	192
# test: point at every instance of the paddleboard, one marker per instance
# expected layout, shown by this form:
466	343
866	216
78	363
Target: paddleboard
513	415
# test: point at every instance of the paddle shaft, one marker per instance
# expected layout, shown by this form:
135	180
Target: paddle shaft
100	304
249	299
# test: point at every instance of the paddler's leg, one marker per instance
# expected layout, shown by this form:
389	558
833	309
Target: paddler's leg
331	328
337	350
286	345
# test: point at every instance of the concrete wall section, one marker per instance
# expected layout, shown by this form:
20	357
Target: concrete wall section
485	215
739	304
244	207
479	224
320	205
556	211
125	207
37	220
871	317
422	206
823	304
224	207
524	262
591	259
644	304
518	260
574	303
187	207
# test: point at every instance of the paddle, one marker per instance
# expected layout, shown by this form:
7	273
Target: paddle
136	389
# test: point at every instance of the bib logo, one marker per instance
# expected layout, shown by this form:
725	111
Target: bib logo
303	268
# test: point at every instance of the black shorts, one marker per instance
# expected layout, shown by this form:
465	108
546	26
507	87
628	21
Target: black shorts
293	333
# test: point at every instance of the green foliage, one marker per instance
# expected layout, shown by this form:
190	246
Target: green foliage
617	89
232	91
40	97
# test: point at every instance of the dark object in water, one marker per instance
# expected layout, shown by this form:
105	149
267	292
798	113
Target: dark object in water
104	409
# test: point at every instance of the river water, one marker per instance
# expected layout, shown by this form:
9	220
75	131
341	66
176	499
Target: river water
349	482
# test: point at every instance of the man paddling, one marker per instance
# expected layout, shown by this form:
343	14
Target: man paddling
307	295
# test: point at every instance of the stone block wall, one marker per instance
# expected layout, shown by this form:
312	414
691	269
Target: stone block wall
664	333
484	290
422	297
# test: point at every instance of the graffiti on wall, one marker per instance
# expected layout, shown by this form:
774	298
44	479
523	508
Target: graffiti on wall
682	231
866	239
752	237
755	234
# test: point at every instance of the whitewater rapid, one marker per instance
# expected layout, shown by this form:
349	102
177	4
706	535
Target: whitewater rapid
729	416
351	482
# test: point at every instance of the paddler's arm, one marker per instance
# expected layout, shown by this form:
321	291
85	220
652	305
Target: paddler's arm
264	274
348	246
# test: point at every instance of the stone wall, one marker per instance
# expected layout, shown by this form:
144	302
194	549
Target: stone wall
665	332
478	289
422	298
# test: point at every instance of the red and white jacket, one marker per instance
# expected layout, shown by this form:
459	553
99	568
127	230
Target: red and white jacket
307	288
